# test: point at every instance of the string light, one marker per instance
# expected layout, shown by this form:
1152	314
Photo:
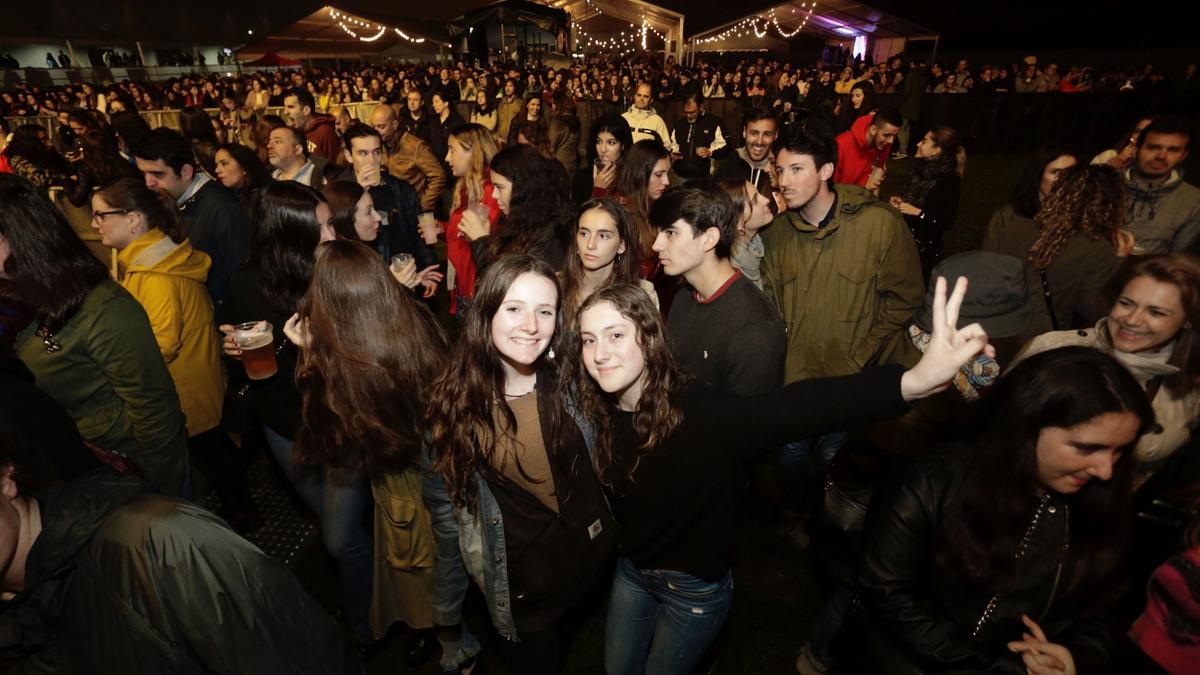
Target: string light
345	21
758	25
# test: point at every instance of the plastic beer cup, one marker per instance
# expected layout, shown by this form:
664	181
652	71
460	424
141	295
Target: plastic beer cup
258	349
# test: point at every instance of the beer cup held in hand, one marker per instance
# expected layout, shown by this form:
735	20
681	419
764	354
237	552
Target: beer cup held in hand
258	350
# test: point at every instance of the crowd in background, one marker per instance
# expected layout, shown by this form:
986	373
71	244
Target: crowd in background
553	361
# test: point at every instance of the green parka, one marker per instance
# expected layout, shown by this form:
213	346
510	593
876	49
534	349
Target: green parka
845	291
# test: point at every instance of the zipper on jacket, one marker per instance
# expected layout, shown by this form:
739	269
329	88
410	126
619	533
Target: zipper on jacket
1062	556
995	599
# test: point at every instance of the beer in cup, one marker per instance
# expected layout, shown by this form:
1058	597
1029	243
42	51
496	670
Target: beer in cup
258	349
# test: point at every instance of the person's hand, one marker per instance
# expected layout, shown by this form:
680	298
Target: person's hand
1125	243
876	180
429	277
296	331
472	226
228	344
703	153
604	178
904	207
1040	656
429	228
406	275
949	346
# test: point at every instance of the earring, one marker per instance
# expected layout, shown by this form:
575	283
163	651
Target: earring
550	353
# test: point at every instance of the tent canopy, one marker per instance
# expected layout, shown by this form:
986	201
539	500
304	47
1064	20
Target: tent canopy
827	20
273	60
332	32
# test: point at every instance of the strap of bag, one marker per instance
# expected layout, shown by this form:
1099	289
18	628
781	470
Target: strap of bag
1049	300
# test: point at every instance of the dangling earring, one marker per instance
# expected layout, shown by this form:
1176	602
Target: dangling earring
550	353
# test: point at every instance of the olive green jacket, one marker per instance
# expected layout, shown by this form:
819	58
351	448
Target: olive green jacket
845	291
111	379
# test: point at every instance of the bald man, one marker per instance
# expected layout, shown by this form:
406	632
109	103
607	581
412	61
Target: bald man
410	159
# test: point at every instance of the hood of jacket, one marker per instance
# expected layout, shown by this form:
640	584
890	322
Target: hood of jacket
320	120
858	131
1144	196
154	251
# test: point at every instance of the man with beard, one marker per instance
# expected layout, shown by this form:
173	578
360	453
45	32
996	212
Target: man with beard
1163	212
754	160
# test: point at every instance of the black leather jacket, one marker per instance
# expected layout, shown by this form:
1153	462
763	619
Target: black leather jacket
917	614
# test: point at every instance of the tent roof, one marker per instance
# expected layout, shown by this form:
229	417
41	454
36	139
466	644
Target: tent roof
827	20
329	31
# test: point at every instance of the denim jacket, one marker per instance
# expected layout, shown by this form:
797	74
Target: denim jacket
471	546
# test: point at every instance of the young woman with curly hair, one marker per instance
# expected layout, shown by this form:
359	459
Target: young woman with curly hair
669	453
1070	246
515	503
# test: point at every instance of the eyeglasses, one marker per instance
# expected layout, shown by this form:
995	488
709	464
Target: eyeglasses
101	215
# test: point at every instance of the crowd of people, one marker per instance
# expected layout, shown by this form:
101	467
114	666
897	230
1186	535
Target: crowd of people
647	325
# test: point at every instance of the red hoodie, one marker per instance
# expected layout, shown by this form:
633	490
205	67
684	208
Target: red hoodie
855	158
323	138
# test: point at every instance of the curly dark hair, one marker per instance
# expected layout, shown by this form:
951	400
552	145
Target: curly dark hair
1086	199
659	412
540	213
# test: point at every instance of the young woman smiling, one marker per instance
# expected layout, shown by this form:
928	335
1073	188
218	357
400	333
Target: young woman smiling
669	450
1151	331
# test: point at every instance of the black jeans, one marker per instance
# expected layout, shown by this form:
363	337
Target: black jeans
214	453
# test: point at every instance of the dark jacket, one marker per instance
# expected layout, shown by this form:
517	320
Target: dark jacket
276	400
916	613
217	225
439	136
564	140
122	580
706	132
400	206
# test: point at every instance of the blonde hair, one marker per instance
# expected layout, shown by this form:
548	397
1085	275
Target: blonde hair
476	139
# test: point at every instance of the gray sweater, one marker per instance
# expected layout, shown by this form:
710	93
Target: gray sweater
1163	218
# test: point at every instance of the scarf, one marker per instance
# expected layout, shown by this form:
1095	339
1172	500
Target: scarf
976	374
1144	197
925	174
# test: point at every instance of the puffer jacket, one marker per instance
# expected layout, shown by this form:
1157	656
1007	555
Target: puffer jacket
1174	417
647	124
108	379
122	580
1163	218
845	291
916	618
168	280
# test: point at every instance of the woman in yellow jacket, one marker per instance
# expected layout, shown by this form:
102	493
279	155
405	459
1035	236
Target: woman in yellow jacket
159	267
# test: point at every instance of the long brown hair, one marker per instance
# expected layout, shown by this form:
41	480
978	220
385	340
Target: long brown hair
373	351
476	139
1181	270
470	391
632	186
1086	199
156	206
624	267
658	413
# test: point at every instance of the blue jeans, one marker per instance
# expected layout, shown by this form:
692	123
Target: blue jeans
339	503
794	456
826	625
661	622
